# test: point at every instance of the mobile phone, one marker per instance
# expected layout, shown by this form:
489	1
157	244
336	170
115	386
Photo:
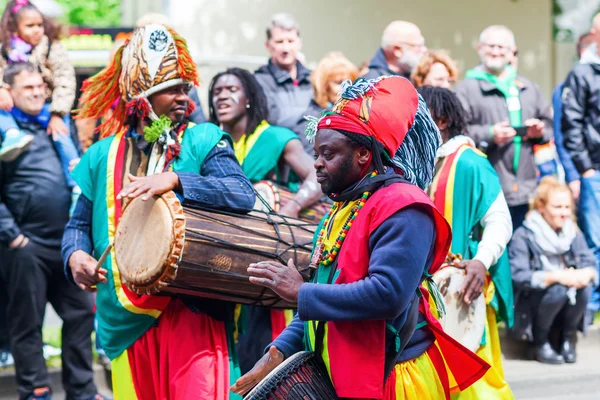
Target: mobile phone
521	130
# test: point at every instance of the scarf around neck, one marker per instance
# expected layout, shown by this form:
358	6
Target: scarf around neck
553	244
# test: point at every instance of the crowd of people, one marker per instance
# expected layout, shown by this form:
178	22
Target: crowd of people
403	141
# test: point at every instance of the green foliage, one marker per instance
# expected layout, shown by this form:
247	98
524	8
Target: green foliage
95	13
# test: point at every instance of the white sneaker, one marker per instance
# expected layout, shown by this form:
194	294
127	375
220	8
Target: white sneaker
51	351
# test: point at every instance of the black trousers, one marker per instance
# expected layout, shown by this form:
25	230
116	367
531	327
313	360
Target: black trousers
4	343
552	309
32	277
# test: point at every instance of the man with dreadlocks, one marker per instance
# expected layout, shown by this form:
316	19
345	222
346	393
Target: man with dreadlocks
467	190
366	312
187	353
239	105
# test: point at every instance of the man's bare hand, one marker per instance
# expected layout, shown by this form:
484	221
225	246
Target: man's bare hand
474	280
285	280
503	133
148	186
83	268
266	364
535	128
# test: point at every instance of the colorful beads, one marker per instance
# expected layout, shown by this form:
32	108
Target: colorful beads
327	258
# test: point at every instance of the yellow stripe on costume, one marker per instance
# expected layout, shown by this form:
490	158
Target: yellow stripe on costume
110	205
417	379
122	379
492	385
449	203
243	146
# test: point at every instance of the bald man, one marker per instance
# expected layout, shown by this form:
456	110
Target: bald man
581	131
506	114
402	46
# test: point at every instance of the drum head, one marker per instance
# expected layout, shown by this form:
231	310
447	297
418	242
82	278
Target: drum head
465	323
149	242
311	384
269	193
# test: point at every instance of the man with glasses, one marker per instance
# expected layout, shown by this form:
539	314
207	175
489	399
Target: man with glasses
34	210
402	46
506	115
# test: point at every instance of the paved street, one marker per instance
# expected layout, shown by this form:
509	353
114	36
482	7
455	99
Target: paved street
529	380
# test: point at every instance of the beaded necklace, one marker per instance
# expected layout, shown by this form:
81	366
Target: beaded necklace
326	258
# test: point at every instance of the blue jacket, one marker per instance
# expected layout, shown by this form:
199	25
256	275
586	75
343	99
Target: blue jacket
571	173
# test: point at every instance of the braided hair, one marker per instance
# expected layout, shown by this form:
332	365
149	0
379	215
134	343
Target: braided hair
444	104
257	100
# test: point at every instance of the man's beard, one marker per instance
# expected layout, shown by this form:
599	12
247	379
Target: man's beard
409	61
495	66
338	182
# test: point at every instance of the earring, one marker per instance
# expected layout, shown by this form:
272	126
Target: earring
247	105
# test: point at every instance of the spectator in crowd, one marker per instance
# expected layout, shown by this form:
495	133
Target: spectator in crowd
552	270
436	68
402	46
327	80
33	213
285	80
28	35
581	131
571	175
506	115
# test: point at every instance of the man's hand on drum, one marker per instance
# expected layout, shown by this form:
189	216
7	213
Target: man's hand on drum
285	280
148	186
474	279
83	268
266	364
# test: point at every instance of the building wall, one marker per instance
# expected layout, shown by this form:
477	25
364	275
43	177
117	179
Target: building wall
232	32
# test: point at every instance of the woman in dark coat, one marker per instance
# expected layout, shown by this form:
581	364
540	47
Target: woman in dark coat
553	272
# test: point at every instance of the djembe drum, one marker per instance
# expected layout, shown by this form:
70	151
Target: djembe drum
271	197
302	376
464	322
163	247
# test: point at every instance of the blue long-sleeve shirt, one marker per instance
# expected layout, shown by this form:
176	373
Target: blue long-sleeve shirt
401	249
571	173
221	185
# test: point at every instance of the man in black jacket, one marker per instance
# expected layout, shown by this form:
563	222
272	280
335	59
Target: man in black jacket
402	46
34	208
285	80
581	131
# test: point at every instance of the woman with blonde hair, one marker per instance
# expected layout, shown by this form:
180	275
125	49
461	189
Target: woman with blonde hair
553	272
436	68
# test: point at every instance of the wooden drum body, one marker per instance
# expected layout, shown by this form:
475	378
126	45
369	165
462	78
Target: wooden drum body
163	247
276	196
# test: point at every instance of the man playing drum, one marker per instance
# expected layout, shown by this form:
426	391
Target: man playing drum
161	347
366	311
467	190
265	152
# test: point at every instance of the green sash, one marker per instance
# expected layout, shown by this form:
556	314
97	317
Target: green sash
264	155
509	89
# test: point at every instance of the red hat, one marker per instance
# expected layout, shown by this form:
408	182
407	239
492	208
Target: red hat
383	109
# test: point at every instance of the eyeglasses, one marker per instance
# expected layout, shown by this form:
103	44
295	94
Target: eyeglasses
416	45
496	46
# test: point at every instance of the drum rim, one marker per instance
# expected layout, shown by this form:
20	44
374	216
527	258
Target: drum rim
171	263
306	355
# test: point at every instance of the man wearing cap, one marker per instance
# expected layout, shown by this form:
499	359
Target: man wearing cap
160	347
366	311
